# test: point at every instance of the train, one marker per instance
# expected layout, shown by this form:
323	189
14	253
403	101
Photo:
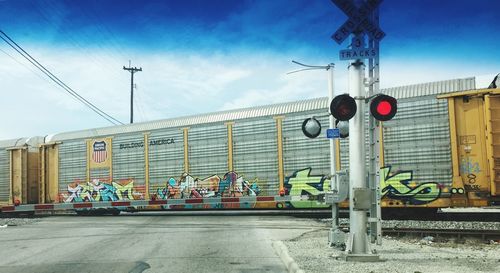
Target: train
442	149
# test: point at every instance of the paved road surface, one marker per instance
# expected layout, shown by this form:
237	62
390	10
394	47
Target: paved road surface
148	243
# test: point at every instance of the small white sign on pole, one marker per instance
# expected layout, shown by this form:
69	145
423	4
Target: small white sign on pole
358	53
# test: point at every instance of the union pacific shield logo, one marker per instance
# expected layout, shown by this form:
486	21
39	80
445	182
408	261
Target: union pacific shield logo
99	154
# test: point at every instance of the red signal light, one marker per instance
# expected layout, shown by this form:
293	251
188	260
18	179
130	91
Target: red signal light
383	107
343	107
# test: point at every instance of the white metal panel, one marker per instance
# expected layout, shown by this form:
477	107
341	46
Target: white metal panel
208	153
256	152
166	160
217	117
431	88
300	152
128	158
408	91
10	143
100	174
418	139
72	163
4	175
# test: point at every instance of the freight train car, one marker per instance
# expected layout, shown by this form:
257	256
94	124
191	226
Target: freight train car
19	171
441	150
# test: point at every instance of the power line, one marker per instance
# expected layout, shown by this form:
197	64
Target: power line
49	74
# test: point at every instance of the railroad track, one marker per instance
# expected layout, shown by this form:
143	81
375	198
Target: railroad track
438	233
306	213
444	233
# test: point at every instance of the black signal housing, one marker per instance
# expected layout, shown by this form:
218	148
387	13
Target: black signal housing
383	107
343	107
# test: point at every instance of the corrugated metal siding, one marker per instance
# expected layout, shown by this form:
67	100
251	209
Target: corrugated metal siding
231	115
431	88
255	153
418	139
255	146
4	175
208	150
17	142
166	160
72	163
301	152
128	163
408	91
100	174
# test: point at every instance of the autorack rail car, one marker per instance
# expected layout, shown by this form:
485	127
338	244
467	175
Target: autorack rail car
19	171
442	149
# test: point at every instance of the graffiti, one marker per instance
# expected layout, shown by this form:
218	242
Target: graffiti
400	186
303	183
468	166
230	185
97	190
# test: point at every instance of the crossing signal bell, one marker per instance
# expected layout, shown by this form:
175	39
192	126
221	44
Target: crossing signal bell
311	127
383	107
343	107
343	127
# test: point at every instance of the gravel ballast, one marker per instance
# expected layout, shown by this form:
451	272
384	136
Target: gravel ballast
408	254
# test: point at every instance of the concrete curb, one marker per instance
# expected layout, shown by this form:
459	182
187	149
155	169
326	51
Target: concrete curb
282	251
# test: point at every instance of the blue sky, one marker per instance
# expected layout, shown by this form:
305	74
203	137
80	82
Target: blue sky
204	56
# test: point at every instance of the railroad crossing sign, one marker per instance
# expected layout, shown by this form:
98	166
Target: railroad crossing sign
358	20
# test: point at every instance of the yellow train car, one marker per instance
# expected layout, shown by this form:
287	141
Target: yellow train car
19	171
475	137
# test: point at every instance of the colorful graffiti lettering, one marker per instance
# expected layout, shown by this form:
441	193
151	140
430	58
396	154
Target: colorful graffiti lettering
96	190
399	186
302	183
468	166
230	185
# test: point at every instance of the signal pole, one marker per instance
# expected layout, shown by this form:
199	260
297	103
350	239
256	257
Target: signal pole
336	237
358	243
132	71
364	197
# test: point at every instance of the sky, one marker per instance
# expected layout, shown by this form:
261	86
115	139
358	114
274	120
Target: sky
204	56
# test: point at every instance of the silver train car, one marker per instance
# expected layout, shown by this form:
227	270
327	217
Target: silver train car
257	151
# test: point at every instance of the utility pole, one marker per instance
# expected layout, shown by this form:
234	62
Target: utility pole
132	71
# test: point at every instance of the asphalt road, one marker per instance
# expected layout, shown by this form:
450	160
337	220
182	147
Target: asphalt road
148	243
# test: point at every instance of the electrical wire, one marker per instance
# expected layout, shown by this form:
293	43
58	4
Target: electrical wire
49	74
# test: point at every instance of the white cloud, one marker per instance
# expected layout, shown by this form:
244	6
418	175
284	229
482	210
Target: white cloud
174	84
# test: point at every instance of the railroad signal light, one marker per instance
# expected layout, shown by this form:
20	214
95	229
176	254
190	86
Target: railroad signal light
383	107
343	107
311	127
343	127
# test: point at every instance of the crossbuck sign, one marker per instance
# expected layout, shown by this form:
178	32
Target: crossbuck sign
359	21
